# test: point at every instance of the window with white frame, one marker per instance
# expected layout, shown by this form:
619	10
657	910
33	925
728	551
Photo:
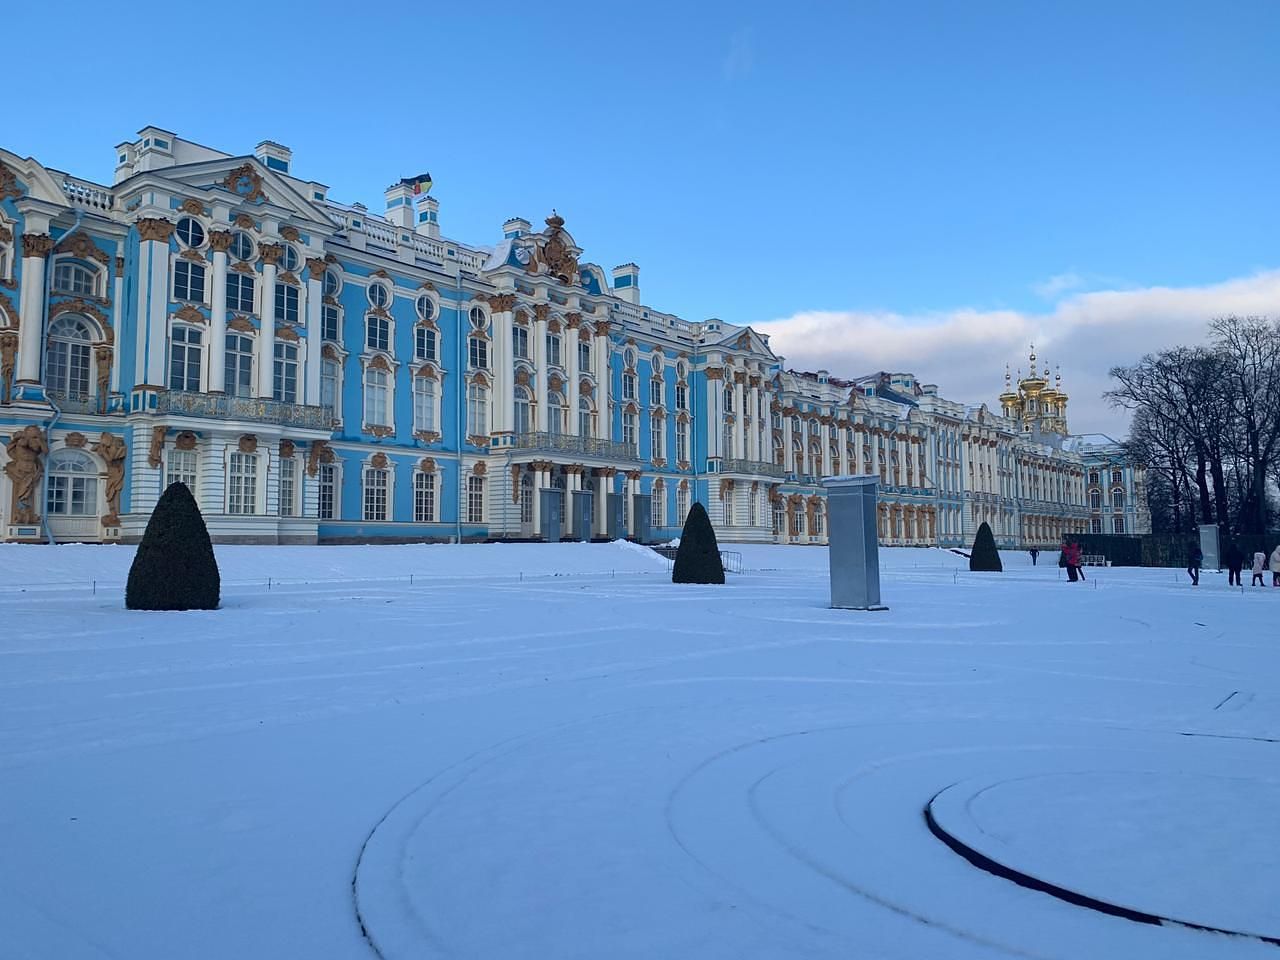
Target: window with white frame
682	503
475	499
424	344
327	490
655	393
238	365
376	489
424	404
242	247
727	450
657	498
332	283
682	397
628	386
73	484
424	497
584	357
520	342
75	278
526	499
67	358
1095	499
586	417
477	410
478	318
286	303
658	438
1117	476
553	349
728	398
181	467
186	352
289	259
523	410
329	374
478	353
242	484
330	322
1117	524
377	333
629	428
379	295
190	233
557	413
285	373
752	497
288	486
726	507
682	441
426	308
1095	525
239	293
188	281
1117	500
377	397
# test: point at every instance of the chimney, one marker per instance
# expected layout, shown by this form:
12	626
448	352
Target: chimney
515	227
400	205
152	151
824	376
274	156
626	283
428	216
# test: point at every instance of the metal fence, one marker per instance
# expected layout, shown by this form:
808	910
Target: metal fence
731	560
222	407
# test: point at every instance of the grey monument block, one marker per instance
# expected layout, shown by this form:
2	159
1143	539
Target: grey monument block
1209	547
582	514
615	518
550	515
641	504
854	545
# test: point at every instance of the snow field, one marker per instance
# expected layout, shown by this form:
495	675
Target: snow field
551	751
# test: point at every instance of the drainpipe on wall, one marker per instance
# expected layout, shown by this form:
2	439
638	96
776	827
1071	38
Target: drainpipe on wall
57	411
458	404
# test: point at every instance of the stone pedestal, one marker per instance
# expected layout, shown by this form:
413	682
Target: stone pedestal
854	548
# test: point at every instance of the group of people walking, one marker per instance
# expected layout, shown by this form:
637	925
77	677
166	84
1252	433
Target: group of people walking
1233	559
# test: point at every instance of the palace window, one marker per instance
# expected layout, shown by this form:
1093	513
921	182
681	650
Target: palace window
377	333
1117	500
656	498
76	279
478	318
188	281
241	246
1093	478
329	373
520	342
185	354
67	358
239	365
526	499
682	397
478	410
377	397
1095	499
424	497
682	503
584	357
557	413
239	293
524	410
478	353
286	303
289	258
1117	524
376	483
73	484
553	350
628	386
242	484
682	441
657	438
726	508
728	440
424	404
751	508
285	379
289	487
586	418
629	429
190	233
655	393
728	398
424	344
426	308
1117	476
379	295
327	488
332	283
475	499
180	467
329	322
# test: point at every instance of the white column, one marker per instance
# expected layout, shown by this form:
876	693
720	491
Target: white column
875	455
117	316
505	406
758	422
788	463
740	425
844	438
540	363
266	346
824	432
219	241
315	301
36	248
715	415
766	437
570	345
602	485
155	269
536	470
604	380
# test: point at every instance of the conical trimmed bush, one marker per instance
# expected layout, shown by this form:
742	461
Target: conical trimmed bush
985	556
174	568
698	559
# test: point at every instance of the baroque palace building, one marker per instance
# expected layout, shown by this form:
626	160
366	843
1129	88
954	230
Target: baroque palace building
314	371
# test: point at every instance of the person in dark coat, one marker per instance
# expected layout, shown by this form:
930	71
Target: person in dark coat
1233	557
1195	556
1034	554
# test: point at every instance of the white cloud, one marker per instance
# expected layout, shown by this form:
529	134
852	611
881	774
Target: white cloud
1058	284
965	351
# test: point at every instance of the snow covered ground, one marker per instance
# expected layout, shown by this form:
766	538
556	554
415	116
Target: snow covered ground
552	752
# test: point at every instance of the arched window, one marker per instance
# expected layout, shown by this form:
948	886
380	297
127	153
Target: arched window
682	502
477	410
557	413
73	484
728	398
586	417
67	360
657	502
526	498
657	438
377	397
75	278
524	410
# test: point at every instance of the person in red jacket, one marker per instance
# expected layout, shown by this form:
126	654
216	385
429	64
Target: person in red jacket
1072	555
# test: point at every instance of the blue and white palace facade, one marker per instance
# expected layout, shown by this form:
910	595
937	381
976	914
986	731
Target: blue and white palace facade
317	372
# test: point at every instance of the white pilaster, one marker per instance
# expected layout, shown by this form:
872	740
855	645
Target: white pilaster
218	314
36	249
266	345
315	301
540	364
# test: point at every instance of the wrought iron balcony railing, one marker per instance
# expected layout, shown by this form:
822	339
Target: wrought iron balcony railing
219	406
75	402
570	443
753	468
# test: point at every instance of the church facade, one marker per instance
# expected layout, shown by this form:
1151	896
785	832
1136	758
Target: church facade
317	372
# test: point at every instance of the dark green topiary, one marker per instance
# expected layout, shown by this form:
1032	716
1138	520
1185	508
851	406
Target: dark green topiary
698	559
174	568
985	556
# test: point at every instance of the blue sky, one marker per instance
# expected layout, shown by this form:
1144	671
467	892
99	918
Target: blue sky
915	161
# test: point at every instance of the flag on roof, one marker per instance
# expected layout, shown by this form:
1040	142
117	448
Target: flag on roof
421	183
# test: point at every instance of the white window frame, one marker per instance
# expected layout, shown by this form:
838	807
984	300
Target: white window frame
426	497
243	484
384	477
430	408
476	499
389	390
180	465
288	486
